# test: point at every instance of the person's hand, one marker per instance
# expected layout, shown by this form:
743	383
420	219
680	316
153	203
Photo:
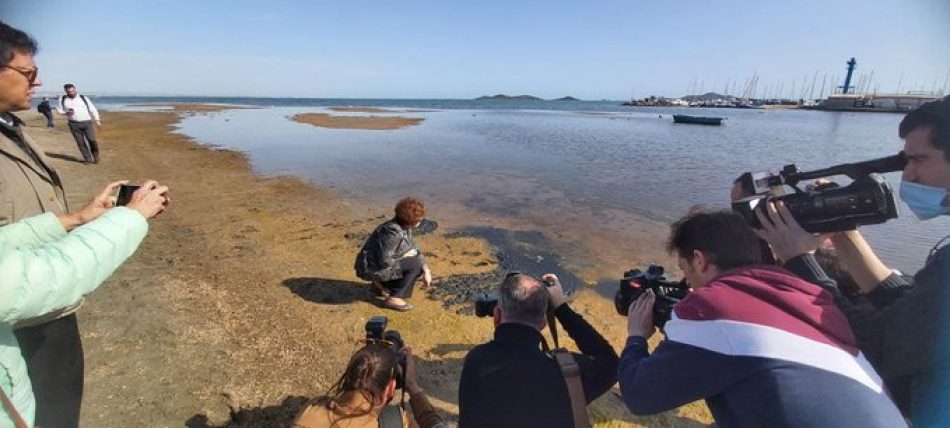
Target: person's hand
640	316
150	200
412	384
812	188
98	124
783	233
426	277
104	201
411	253
555	290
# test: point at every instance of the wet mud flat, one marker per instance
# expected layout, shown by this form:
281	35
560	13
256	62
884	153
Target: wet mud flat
241	304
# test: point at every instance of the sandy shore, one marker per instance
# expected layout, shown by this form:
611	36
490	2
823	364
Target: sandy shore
190	107
379	123
363	110
241	304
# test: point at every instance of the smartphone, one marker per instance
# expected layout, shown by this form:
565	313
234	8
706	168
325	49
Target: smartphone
125	194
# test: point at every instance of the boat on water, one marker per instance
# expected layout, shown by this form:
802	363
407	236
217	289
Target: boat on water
699	120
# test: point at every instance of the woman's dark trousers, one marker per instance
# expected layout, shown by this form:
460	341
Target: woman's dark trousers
411	271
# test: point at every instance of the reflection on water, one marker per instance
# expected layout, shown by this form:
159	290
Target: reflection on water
565	169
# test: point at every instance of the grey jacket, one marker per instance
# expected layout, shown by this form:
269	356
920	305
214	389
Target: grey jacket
29	186
378	259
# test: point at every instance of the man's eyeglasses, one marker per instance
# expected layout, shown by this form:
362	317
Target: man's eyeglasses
30	75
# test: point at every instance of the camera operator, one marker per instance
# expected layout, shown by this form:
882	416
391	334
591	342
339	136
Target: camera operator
364	390
513	369
762	346
904	334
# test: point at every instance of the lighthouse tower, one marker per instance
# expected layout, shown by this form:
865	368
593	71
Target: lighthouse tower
847	80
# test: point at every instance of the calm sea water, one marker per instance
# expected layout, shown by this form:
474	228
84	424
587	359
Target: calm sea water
570	160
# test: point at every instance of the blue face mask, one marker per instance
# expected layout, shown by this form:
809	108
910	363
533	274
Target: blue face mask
925	201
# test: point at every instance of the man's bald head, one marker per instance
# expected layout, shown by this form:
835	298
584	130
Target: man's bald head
524	300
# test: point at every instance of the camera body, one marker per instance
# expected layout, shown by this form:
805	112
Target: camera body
868	199
485	304
636	282
376	332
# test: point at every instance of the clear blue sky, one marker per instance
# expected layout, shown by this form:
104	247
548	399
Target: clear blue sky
455	49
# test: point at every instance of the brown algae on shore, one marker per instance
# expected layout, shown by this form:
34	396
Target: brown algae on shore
375	123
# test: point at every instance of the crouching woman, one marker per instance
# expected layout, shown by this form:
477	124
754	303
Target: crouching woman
391	260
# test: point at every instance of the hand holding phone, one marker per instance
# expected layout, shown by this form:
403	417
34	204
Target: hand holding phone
125	194
150	199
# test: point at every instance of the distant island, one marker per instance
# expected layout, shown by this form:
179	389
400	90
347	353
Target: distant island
522	97
508	97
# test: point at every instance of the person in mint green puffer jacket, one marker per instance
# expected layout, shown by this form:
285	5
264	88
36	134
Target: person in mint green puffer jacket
49	262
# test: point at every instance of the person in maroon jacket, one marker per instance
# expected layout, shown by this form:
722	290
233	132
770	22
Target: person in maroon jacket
762	346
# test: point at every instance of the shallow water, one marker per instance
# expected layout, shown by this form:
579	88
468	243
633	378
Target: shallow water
600	168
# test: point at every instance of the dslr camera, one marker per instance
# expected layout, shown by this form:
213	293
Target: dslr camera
485	304
636	282
376	333
869	199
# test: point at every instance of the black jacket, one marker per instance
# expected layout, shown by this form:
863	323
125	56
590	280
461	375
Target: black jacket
378	259
511	382
902	333
44	107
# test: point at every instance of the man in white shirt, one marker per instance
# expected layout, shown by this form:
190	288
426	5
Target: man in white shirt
81	112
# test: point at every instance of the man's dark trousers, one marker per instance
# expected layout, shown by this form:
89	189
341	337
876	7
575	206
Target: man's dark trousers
49	118
54	360
82	132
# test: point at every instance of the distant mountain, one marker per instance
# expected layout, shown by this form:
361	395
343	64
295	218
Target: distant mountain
508	97
708	96
567	98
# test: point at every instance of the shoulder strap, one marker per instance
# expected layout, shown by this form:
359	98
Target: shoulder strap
572	376
18	421
390	417
86	102
937	247
552	325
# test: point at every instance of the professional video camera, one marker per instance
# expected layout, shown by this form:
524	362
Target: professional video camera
636	282
376	333
829	208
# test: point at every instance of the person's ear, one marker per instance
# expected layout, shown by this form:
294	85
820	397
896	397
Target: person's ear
496	314
700	262
390	391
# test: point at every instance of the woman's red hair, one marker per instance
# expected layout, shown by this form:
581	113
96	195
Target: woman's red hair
410	211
